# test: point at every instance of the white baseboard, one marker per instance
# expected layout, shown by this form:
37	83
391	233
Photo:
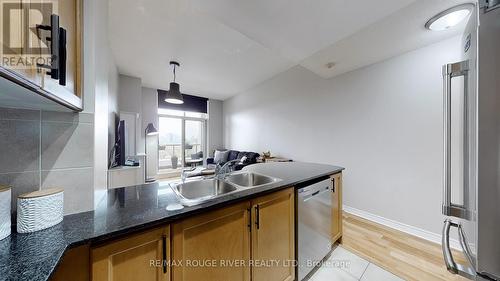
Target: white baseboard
415	231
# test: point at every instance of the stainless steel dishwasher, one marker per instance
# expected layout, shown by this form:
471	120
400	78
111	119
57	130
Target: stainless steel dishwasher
314	225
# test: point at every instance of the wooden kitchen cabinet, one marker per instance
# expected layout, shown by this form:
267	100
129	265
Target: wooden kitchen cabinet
273	236
253	234
203	242
25	46
70	13
336	207
252	240
16	53
74	265
135	258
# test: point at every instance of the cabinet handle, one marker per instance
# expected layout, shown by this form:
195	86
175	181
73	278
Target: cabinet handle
249	210
164	253
333	185
257	216
54	46
62	56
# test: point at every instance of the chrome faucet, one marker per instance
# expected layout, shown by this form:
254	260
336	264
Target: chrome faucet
221	171
184	175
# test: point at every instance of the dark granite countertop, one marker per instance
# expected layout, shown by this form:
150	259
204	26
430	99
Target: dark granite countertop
126	210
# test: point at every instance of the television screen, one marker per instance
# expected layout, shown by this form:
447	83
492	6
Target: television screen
120	144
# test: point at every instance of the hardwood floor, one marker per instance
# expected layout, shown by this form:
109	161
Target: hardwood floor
406	256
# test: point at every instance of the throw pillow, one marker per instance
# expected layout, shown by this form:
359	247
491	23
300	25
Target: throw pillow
220	156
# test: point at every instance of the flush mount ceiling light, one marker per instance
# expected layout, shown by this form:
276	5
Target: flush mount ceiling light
449	18
330	65
174	93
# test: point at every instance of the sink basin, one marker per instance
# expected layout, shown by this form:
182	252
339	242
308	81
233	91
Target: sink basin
250	179
196	192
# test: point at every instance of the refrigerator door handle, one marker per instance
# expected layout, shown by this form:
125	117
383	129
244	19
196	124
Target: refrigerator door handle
449	208
451	265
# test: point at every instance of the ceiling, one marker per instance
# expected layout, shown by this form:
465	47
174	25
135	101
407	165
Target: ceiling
228	46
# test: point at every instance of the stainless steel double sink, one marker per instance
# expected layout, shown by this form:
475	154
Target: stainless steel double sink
195	192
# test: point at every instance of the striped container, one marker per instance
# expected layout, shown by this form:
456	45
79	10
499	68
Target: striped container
5	201
39	210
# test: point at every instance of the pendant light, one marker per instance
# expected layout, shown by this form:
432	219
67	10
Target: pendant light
174	93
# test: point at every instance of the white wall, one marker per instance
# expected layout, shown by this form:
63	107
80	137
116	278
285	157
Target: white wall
383	123
130	97
113	109
215	131
105	78
130	100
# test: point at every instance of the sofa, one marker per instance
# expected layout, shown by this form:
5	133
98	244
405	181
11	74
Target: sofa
251	158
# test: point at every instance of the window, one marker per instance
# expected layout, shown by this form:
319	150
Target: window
182	139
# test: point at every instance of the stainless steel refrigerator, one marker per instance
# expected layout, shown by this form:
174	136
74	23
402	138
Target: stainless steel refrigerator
471	199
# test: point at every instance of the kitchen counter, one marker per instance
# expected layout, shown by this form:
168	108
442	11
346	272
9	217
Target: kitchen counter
128	210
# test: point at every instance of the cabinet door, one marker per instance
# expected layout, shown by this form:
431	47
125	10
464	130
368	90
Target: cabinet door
137	258
19	43
69	12
35	48
24	46
273	236
336	206
203	246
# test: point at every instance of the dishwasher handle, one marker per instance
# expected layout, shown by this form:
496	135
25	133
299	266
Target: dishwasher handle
308	197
